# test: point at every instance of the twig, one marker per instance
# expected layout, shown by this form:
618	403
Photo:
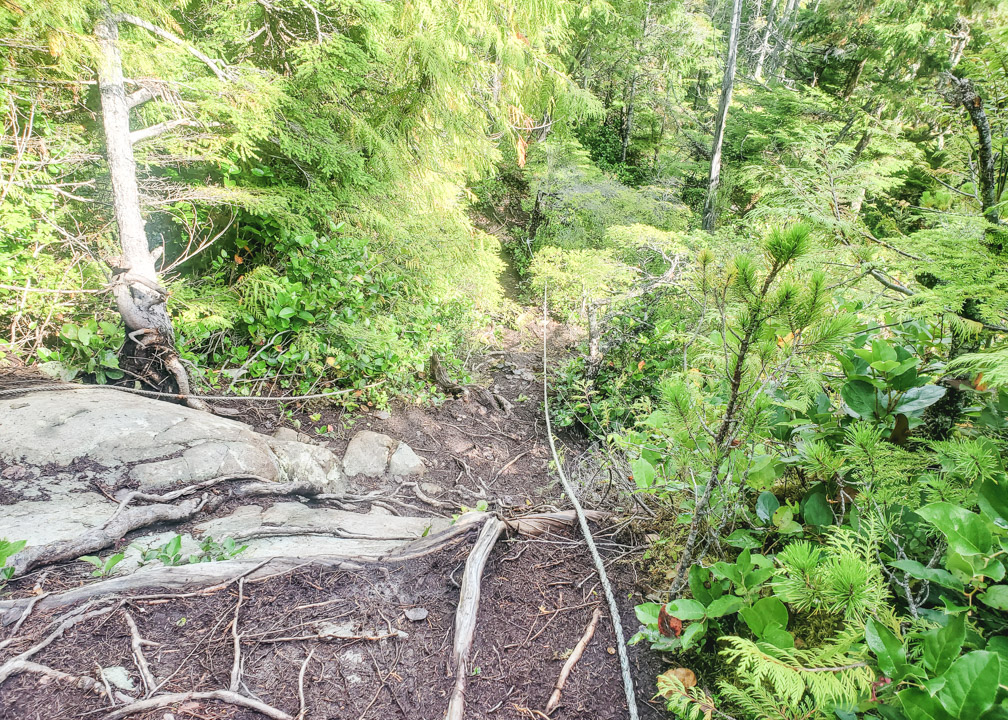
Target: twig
301	697
105	682
177	698
136	642
572	661
628	686
236	636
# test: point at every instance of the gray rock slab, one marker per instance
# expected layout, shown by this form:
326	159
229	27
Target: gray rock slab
368	454
61	518
158	445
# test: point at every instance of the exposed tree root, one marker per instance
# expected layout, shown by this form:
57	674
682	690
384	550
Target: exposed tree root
226	696
97	538
467	612
79	681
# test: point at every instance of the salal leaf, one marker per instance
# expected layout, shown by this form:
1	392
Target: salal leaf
943	645
966	532
971	685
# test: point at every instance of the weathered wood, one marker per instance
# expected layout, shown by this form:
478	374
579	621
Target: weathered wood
727	85
467	612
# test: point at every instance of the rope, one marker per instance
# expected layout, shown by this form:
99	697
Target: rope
628	686
180	396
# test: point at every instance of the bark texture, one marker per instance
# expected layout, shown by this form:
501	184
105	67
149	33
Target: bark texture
960	91
727	86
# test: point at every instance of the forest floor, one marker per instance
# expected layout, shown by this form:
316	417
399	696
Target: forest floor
319	642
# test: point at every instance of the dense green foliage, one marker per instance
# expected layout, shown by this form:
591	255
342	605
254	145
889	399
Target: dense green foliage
812	400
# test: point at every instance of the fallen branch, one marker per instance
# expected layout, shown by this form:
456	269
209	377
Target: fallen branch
572	661
225	696
466	614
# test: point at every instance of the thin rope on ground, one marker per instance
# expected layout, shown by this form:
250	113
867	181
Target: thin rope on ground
628	686
181	396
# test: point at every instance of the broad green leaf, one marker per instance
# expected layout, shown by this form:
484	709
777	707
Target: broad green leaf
971	685
967	533
943	645
693	634
938	576
643	473
860	397
993	498
816	510
742	539
686	609
919	705
647	613
916	399
996	597
887	648
724	606
766	505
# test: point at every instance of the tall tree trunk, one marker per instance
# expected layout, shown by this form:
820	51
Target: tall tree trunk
628	118
960	91
764	45
139	297
727	85
776	61
854	78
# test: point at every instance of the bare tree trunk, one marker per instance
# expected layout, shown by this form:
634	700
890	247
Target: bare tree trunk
960	91
764	45
628	123
727	85
139	296
775	61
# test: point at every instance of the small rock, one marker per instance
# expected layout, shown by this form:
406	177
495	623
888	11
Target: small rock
416	614
431	488
406	462
367	454
14	472
383	414
286	433
118	676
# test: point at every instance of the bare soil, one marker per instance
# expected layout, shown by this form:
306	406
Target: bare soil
537	595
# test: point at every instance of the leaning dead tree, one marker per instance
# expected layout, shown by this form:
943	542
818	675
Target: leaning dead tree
960	92
140	298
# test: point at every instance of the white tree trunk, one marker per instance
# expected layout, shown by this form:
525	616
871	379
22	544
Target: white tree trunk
139	297
727	86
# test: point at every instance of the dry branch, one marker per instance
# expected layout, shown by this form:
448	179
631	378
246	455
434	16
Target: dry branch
572	661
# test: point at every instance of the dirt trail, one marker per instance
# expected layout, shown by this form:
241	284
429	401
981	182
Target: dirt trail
373	642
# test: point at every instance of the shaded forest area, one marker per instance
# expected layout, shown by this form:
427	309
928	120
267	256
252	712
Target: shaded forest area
778	223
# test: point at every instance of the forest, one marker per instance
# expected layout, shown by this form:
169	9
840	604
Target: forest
774	231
